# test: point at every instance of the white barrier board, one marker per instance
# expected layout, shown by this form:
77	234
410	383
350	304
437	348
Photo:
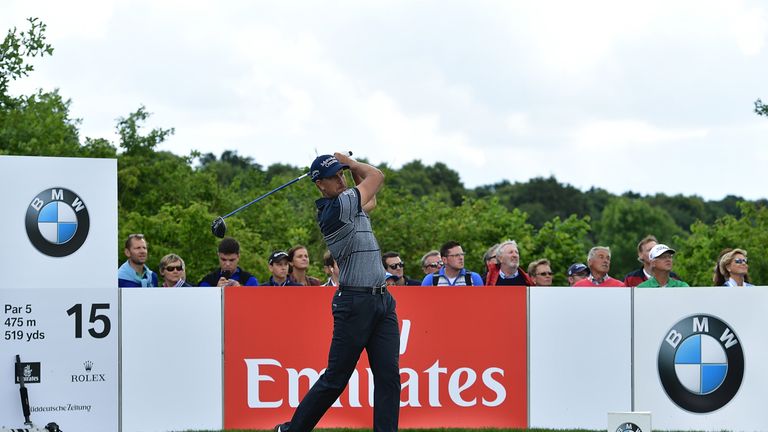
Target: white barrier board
171	359
67	341
579	348
59	222
700	356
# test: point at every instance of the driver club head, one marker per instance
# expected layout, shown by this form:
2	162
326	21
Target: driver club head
218	227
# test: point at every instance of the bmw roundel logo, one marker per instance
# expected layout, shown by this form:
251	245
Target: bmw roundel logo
57	222
701	363
629	427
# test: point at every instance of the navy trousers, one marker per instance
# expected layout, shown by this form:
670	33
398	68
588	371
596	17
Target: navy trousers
360	321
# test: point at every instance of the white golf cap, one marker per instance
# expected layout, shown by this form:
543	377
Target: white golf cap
659	249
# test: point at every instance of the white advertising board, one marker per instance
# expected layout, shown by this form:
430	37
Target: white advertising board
700	356
67	342
59	222
171	359
580	356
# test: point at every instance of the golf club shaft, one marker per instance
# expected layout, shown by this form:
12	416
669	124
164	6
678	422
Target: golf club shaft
265	195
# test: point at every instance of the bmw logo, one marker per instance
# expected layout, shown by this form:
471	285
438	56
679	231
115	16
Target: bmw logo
57	222
629	427
701	363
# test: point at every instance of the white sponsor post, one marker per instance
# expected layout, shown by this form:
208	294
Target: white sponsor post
67	342
59	222
580	356
699	356
171	359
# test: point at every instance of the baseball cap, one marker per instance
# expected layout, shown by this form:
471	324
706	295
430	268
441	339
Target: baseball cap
389	275
577	268
277	256
659	249
325	166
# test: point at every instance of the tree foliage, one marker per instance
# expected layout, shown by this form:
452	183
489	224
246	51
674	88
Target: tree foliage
624	222
761	108
697	253
16	50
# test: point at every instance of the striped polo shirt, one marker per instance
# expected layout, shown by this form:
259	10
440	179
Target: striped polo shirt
347	231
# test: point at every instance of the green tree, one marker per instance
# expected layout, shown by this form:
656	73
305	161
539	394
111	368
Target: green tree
697	253
562	242
39	125
624	223
761	108
541	198
132	141
15	51
149	179
419	180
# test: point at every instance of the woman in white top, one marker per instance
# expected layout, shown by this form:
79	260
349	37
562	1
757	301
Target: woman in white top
734	267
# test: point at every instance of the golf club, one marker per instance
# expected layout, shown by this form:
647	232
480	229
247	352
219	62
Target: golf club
219	228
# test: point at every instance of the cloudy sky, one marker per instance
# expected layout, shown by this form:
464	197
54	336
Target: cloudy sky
652	96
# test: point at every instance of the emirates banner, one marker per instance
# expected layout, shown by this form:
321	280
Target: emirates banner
462	357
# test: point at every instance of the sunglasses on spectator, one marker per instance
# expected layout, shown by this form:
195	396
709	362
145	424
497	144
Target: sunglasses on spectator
740	260
545	274
172	268
396	266
435	264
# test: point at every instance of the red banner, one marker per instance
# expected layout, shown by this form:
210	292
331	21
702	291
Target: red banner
462	363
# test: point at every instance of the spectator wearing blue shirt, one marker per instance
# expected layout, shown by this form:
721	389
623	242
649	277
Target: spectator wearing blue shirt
228	273
134	273
453	272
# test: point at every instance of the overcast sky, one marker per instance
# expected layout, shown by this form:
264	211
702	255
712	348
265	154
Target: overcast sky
651	96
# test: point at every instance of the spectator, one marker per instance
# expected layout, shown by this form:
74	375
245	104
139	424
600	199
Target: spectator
717	276
228	273
541	272
599	262
508	271
134	271
577	272
431	262
394	265
391	279
661	257
642	274
278	267
173	271
489	259
331	269
299	260
733	265
453	273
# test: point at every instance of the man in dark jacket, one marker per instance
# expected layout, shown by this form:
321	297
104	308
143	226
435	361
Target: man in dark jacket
228	273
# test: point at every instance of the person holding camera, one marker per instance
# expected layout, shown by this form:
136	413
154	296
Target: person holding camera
228	273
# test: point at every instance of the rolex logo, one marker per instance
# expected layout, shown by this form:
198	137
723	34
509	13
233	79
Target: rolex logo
88	365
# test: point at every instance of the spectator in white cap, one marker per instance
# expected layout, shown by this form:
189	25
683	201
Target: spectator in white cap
661	257
391	278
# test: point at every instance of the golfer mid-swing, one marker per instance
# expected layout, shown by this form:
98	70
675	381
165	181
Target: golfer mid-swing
363	310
